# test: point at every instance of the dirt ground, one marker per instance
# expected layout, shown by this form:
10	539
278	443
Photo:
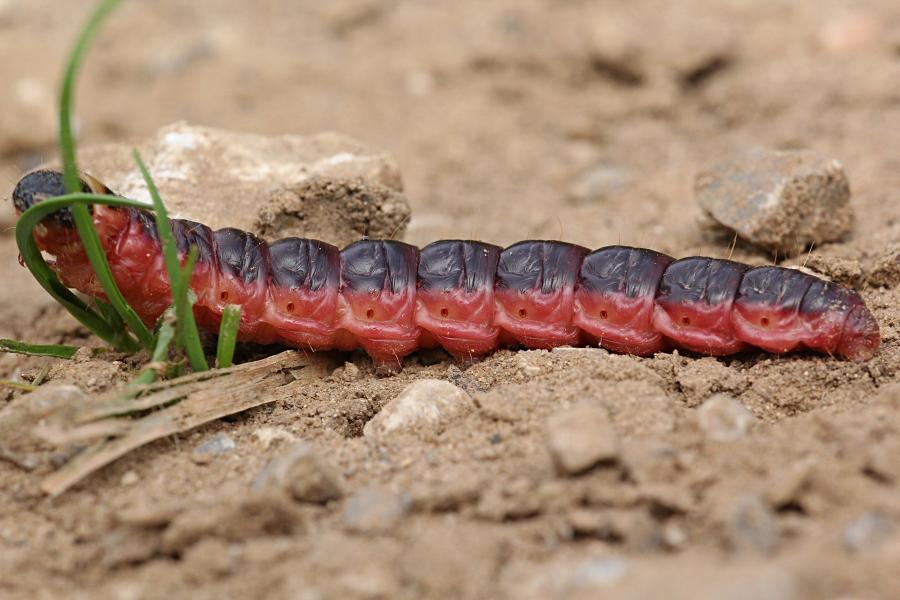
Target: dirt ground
510	119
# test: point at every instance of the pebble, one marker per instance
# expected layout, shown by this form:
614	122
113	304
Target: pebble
867	532
130	478
304	474
599	182
751	526
212	447
724	419
350	372
597	571
374	510
778	200
580	438
51	397
424	408
269	435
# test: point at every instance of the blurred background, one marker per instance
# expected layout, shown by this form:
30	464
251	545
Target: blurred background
583	120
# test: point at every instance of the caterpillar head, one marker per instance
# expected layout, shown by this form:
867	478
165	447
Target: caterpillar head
41	184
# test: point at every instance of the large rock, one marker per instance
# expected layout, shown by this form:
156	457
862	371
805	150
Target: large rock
325	186
780	201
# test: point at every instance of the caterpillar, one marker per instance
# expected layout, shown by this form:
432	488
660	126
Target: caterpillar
390	298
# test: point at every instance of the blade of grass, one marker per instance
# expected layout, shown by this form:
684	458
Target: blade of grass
228	332
164	338
180	281
18	386
66	139
31	256
187	334
54	350
41	375
81	214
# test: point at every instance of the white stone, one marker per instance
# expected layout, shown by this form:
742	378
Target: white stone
425	407
724	419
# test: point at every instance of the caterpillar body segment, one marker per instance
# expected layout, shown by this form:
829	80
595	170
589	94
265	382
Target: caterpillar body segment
390	298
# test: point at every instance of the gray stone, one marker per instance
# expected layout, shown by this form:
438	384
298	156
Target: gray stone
597	572
424	408
325	186
724	419
303	474
374	510
751	526
600	182
780	201
212	447
580	438
867	532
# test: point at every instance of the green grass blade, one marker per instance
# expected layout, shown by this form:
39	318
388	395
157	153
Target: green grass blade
180	280
66	139
164	338
170	249
97	258
80	213
188	337
54	350
17	385
228	332
31	256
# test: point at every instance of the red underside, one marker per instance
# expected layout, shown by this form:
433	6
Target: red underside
391	325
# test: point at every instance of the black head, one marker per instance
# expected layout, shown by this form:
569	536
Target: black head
40	185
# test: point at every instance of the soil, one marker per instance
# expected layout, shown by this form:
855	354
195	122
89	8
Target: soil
509	119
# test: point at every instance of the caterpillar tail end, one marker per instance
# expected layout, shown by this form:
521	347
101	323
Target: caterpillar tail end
861	337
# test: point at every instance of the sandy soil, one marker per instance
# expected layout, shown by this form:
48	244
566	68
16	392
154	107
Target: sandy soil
510	119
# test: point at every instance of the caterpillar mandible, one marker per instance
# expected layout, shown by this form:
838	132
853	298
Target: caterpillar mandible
390	298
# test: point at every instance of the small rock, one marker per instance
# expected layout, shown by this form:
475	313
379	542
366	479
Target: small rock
580	438
269	435
751	526
786	486
780	201
130	478
302	473
724	419
457	377
674	536
526	363
374	510
212	447
19	420
881	461
349	373
599	182
49	398
596	572
867	532
425	407
325	186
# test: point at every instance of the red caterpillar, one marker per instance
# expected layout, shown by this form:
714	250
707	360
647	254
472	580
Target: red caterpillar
390	298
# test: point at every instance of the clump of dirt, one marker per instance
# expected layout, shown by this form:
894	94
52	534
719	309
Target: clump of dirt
755	474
